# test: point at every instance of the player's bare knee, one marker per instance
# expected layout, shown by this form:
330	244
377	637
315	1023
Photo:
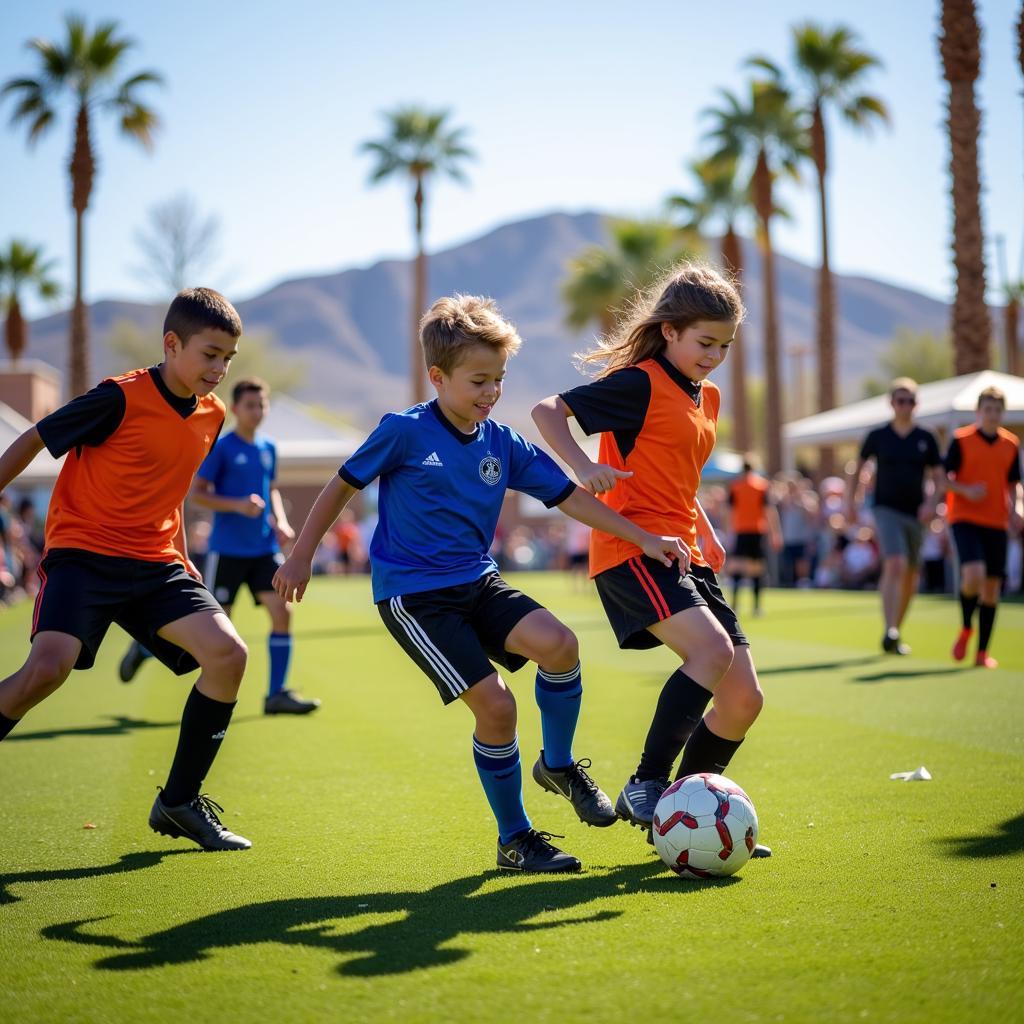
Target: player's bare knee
750	703
565	653
718	654
45	673
227	659
499	712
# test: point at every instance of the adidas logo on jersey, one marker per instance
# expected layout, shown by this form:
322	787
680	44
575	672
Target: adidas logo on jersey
432	460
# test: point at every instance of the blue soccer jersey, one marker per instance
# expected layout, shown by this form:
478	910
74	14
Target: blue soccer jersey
440	496
237	469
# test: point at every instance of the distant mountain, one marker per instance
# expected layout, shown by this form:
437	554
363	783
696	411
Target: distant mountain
351	328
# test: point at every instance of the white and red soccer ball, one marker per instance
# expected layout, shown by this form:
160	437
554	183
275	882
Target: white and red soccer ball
705	826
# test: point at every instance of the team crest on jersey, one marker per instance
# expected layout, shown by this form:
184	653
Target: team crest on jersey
490	469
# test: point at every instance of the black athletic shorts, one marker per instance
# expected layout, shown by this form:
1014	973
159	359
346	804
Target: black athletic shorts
454	633
82	593
225	574
982	544
749	545
642	591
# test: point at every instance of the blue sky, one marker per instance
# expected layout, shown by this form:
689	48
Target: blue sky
570	106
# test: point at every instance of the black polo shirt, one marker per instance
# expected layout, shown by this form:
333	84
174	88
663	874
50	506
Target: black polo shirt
900	465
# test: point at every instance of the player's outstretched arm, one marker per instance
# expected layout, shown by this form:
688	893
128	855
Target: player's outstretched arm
291	579
552	418
19	456
203	494
587	509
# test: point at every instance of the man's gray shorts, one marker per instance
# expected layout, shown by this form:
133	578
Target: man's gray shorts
899	534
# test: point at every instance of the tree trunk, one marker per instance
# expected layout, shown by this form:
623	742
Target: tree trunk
961	55
83	169
1010	321
732	260
826	291
14	330
417	371
773	395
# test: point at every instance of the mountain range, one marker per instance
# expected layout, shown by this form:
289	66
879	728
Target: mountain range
350	328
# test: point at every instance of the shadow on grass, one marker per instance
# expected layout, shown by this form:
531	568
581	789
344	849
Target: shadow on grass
420	935
119	725
1007	839
127	862
914	673
819	666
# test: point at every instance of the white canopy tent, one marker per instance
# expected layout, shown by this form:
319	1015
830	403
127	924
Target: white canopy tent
942	405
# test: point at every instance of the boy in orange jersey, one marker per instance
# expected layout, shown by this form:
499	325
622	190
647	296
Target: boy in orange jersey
115	547
752	516
983	463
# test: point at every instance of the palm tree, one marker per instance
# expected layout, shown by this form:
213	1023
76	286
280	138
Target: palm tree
764	132
83	67
830	66
602	279
960	47
22	265
419	143
719	200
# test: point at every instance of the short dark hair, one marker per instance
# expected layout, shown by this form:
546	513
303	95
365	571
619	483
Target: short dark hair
249	384
195	309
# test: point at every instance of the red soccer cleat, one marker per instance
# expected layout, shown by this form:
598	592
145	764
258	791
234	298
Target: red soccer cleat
960	647
984	661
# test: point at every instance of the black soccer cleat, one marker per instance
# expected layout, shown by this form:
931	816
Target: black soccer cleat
131	662
531	851
894	645
637	801
288	702
760	850
196	820
592	807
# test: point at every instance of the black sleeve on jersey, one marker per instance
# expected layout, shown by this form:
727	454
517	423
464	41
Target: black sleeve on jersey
933	458
870	445
1013	476
954	457
87	420
616	402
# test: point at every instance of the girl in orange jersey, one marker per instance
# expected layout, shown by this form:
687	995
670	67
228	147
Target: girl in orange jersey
657	414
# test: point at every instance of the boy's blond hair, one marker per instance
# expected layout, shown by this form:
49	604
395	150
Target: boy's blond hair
992	394
903	384
457	323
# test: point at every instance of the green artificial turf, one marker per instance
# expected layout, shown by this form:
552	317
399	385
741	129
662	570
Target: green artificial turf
370	893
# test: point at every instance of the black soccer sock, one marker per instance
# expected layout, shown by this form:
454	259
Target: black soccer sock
986	620
706	752
967	606
736	581
7	724
680	707
203	724
755	582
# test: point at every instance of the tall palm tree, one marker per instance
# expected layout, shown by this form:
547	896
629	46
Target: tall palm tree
22	266
718	202
419	144
766	133
830	67
960	47
602	279
84	67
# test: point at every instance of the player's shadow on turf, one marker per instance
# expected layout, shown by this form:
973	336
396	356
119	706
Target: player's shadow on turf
881	677
818	666
119	725
418	931
1008	839
127	862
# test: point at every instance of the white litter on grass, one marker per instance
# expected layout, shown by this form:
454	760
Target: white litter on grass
920	775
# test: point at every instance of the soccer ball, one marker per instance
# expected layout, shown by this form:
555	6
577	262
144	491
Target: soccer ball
705	826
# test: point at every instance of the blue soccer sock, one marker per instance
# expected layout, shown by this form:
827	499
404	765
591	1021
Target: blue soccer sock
501	775
558	697
280	645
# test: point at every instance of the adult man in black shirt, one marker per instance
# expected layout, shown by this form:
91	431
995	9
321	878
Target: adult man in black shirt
901	503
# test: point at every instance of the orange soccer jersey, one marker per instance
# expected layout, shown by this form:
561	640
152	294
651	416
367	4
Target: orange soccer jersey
992	462
675	441
749	494
123	497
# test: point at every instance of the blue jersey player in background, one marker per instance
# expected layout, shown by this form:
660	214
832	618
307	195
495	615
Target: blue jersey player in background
236	482
444	467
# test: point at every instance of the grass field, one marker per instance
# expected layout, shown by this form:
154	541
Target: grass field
371	894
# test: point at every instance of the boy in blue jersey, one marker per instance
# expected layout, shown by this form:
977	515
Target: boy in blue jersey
444	467
236	482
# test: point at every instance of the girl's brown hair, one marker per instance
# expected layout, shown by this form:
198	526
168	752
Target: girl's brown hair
681	298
